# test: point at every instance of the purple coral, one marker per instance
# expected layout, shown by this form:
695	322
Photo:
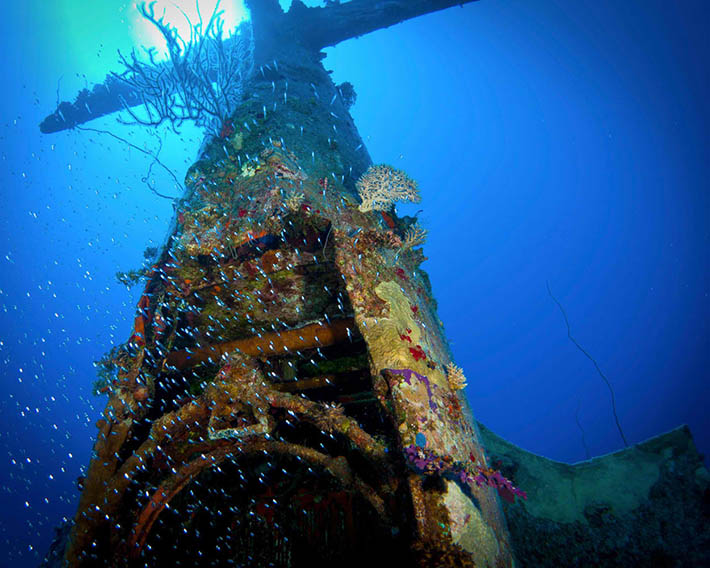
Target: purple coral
428	462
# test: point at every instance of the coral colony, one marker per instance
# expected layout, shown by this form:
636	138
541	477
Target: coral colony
382	185
428	462
201	81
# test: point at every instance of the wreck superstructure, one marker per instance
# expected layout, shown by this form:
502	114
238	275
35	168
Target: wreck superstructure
283	398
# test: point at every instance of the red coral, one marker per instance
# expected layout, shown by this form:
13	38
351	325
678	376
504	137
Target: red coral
417	352
453	406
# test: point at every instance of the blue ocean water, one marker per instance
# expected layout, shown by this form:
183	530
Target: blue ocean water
553	142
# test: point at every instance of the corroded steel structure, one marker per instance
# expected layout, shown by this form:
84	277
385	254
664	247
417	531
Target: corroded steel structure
284	396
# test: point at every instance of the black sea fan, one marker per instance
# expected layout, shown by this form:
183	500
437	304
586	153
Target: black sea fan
202	78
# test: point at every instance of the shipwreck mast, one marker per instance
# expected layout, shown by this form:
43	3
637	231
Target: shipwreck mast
284	396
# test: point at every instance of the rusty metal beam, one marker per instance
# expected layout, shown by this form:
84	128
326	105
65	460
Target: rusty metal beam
268	344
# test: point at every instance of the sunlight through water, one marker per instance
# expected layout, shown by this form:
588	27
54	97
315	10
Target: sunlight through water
183	14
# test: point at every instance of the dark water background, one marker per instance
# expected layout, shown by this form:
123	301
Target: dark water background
553	141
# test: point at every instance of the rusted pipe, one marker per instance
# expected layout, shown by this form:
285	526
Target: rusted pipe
275	343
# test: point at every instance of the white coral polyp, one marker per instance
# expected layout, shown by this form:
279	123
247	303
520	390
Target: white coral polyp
382	185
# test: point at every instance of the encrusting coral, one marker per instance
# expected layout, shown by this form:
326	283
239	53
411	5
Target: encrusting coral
382	185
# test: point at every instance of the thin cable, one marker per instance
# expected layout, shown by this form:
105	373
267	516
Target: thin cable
602	375
579	425
326	241
146	152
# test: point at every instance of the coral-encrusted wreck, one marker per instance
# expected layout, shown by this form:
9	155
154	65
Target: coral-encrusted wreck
287	396
286	357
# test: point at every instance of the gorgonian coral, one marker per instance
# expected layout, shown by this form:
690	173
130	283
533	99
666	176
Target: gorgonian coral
202	79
